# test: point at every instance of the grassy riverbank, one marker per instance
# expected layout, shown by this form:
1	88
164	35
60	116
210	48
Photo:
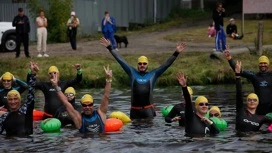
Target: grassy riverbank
199	34
201	70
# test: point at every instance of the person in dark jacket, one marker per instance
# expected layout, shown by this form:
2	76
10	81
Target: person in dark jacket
21	22
177	113
142	82
196	124
261	81
246	118
52	102
7	79
232	30
218	18
73	24
18	121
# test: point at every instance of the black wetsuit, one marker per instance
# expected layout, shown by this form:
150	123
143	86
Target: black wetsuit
20	122
52	102
193	124
262	83
142	84
245	121
92	123
177	110
63	115
3	92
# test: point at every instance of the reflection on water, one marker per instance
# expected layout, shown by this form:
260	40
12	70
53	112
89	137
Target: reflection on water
145	135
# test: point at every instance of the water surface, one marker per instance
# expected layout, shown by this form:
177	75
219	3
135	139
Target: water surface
142	136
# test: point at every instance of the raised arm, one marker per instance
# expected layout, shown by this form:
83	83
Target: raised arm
74	114
103	108
239	95
78	76
28	107
244	73
179	49
118	58
188	102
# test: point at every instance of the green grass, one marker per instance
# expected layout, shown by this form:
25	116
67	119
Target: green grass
199	34
200	69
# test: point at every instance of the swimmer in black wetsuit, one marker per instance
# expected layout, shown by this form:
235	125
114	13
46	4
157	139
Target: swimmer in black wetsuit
7	79
177	113
62	113
246	118
52	102
261	81
196	124
90	120
141	81
19	120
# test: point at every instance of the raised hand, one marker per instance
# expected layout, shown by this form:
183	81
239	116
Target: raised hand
77	66
105	42
180	47
238	67
54	80
108	72
227	51
34	67
182	79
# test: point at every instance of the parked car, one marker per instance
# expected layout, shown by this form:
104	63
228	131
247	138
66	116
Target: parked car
7	37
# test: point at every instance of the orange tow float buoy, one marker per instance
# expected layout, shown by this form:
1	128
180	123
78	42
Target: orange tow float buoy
37	115
113	125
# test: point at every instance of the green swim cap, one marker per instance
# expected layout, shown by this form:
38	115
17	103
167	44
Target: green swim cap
165	110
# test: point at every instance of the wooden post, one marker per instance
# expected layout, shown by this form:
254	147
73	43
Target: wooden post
260	39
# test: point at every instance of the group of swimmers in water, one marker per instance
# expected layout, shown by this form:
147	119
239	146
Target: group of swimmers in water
16	117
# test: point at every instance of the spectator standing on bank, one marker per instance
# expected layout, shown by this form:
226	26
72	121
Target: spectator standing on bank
109	28
72	24
41	22
220	38
21	22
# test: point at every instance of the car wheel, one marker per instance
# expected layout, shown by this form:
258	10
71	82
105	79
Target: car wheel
10	43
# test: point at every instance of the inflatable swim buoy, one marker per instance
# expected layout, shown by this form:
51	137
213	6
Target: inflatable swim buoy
50	125
269	115
270	128
113	125
220	123
121	116
37	115
165	110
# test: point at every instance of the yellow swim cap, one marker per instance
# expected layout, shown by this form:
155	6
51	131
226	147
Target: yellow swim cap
190	90
252	96
70	90
53	69
14	93
7	76
86	99
263	59
200	99
142	59
217	109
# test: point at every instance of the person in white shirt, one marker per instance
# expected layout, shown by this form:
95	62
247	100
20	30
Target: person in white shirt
41	34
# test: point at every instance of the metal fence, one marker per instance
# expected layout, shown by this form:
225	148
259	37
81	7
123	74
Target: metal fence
91	12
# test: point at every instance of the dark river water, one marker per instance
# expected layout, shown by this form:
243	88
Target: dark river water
151	136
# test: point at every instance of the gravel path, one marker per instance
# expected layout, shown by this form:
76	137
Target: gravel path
145	43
